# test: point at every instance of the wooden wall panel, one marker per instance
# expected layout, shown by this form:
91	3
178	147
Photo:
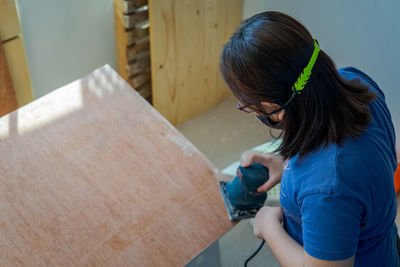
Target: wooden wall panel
8	101
186	39
9	22
121	39
18	66
13	45
92	175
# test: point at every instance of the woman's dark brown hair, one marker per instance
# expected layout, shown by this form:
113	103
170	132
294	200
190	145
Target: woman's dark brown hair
264	58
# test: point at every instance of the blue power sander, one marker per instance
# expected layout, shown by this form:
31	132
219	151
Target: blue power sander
240	195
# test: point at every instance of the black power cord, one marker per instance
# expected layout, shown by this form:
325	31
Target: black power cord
255	253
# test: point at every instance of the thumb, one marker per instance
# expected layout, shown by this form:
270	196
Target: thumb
267	186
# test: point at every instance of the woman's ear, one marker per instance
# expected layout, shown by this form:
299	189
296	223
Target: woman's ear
281	114
269	107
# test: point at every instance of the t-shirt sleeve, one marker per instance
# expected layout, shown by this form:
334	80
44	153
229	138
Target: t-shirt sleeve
331	225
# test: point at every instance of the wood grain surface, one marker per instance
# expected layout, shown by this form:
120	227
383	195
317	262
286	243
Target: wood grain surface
92	175
186	38
8	101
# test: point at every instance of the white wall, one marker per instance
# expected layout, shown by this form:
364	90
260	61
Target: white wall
66	39
359	33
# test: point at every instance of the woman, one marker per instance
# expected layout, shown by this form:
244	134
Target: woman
338	143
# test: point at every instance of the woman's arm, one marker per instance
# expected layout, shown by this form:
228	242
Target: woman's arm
268	225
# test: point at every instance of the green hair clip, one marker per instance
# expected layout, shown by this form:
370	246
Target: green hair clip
305	75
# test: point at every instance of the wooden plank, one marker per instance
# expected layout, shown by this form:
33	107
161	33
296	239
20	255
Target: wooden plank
8	101
145	90
185	50
139	32
132	5
130	20
138	54
140	49
18	67
92	175
139	65
140	79
9	22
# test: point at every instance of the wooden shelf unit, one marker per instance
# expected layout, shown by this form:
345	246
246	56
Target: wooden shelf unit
133	48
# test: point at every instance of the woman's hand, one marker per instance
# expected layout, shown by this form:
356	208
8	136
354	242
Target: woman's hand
273	162
267	217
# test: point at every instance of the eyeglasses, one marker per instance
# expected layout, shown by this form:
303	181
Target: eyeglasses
247	109
244	108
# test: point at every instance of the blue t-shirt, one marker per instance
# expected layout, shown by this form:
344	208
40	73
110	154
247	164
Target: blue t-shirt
340	201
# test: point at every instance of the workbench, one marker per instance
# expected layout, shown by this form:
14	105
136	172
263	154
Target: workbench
91	174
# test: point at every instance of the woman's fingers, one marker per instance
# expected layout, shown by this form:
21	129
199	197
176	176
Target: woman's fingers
256	158
273	162
267	185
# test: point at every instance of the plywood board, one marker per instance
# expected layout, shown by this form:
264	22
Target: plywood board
8	101
186	38
92	175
